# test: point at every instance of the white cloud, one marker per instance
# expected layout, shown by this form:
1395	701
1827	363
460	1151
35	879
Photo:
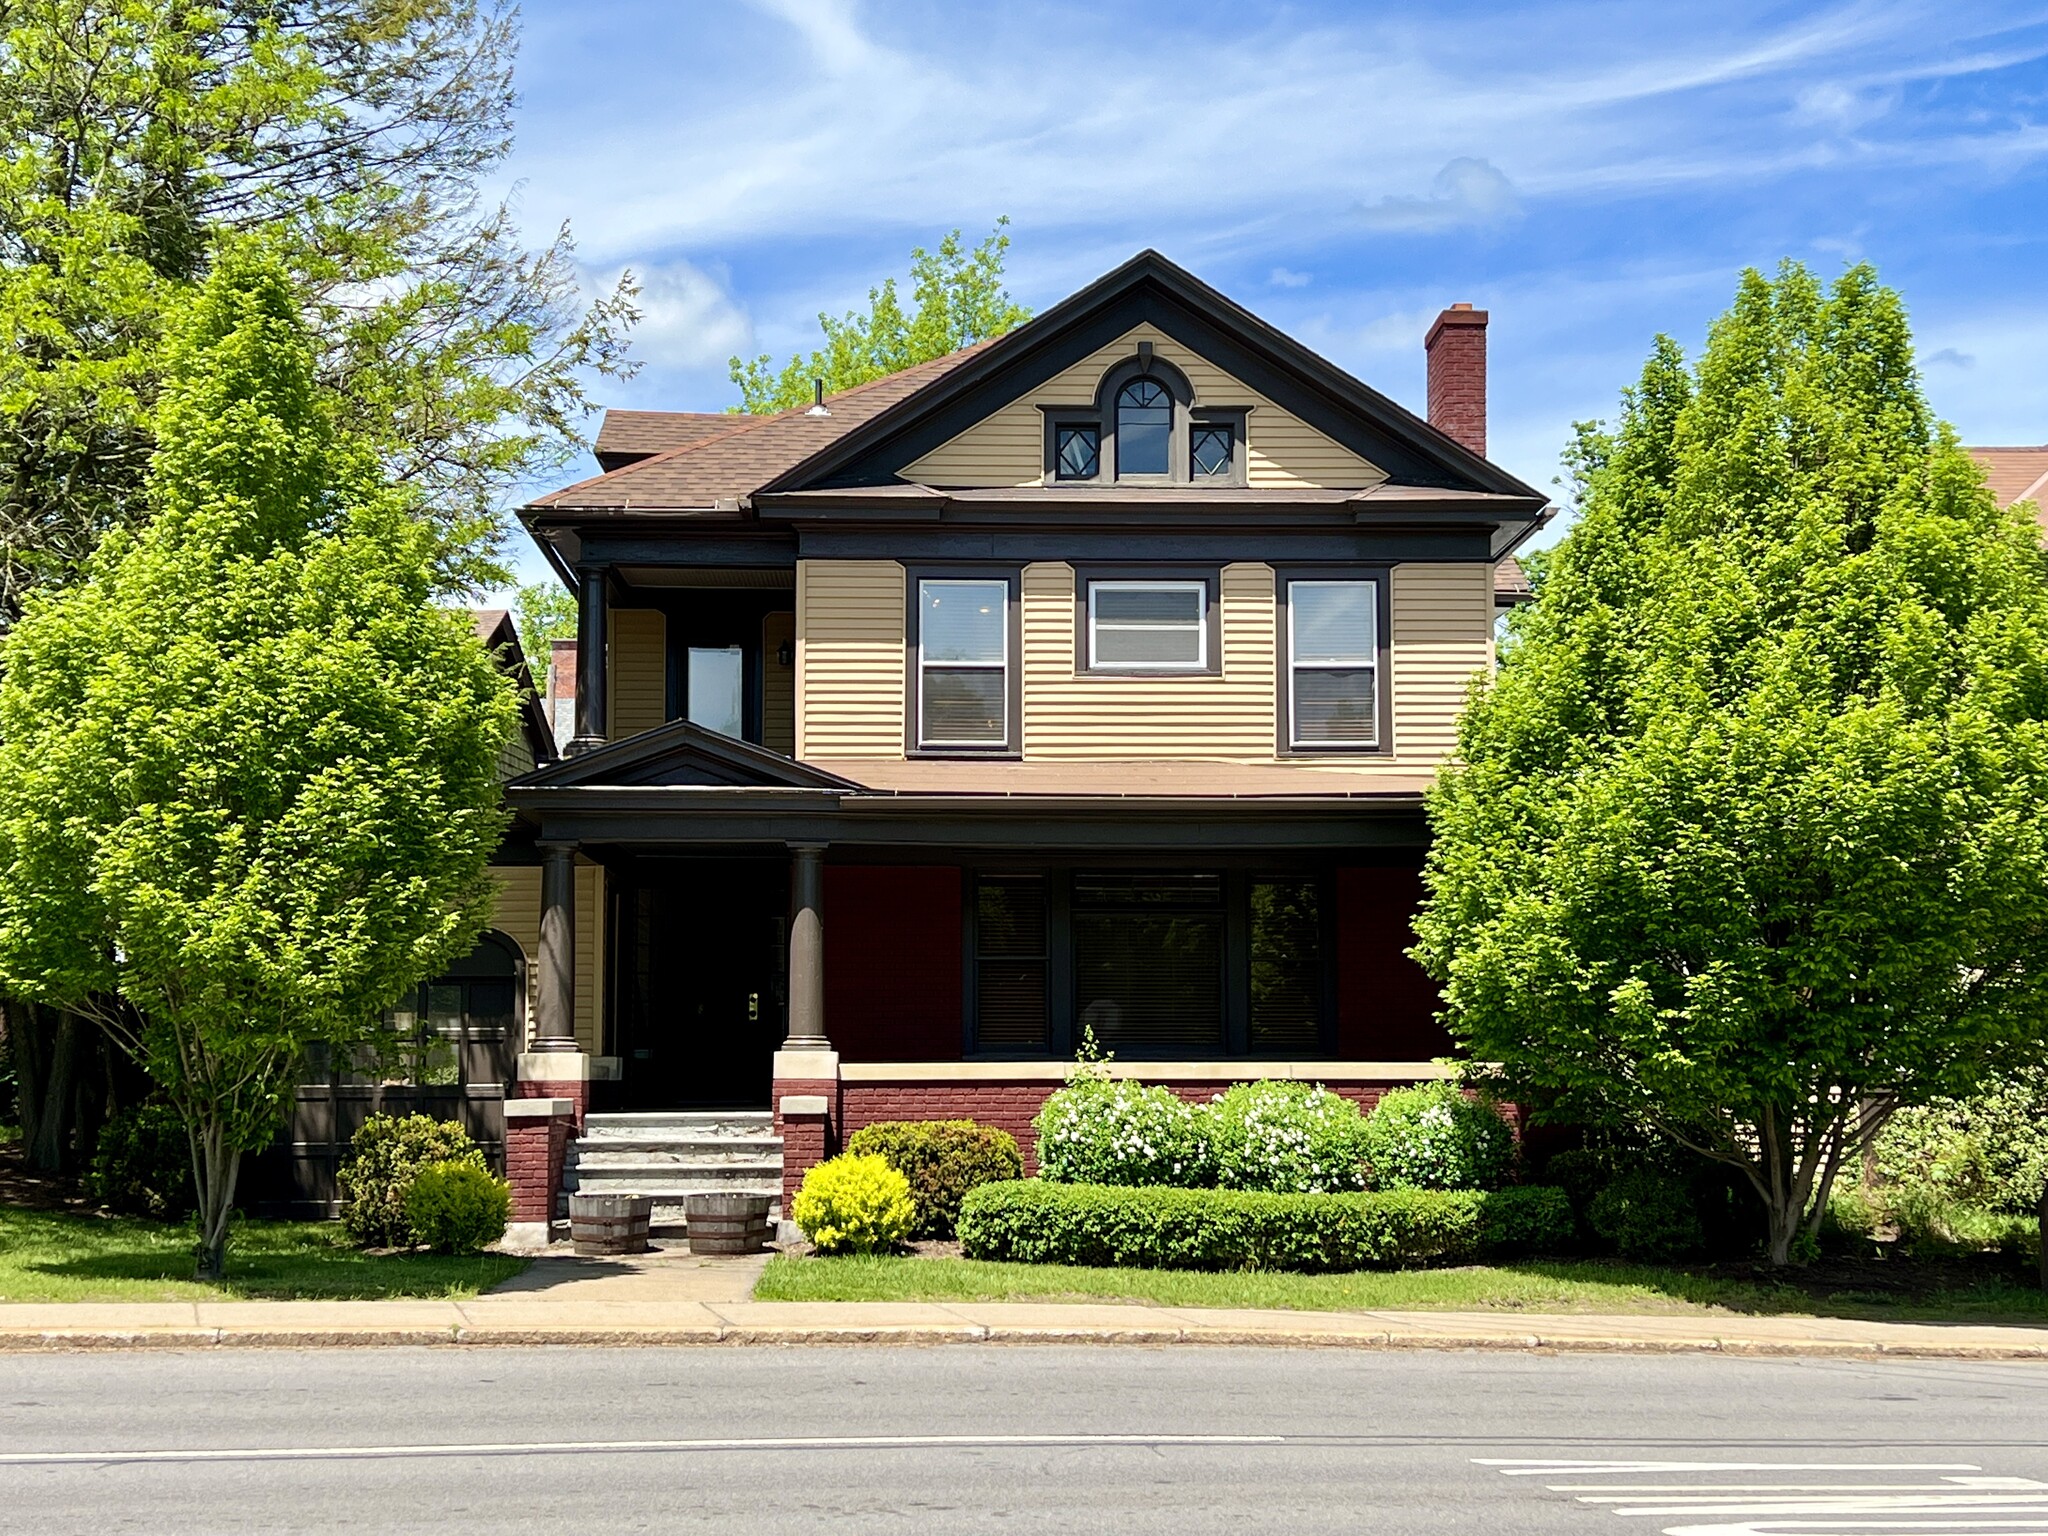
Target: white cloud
828	29
1286	277
688	319
1467	193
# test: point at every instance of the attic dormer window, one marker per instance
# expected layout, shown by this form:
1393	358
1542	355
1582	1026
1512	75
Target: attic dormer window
1144	428
1077	451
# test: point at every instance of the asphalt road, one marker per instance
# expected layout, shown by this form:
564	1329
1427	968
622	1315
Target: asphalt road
1016	1439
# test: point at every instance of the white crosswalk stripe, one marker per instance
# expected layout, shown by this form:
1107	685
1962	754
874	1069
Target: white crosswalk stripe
1885	1498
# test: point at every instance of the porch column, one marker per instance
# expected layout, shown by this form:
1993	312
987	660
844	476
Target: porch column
554	1021
806	1029
591	626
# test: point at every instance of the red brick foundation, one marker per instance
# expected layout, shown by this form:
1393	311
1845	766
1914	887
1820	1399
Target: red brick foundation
535	1148
577	1093
808	1138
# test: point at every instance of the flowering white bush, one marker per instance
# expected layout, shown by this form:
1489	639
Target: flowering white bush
1433	1137
1098	1132
1287	1137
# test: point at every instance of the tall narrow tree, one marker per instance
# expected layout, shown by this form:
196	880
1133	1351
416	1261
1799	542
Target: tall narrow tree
247	768
1749	839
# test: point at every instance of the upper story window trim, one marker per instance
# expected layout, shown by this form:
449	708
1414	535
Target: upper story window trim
1326	664
1130	398
1203	623
968	655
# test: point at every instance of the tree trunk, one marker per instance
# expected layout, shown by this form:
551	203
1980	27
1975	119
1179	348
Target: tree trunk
215	1165
47	1045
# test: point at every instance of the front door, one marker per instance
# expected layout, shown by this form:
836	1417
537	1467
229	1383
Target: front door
702	966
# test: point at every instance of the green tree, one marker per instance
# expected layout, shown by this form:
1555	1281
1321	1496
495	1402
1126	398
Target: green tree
248	781
1748	840
357	138
544	613
960	300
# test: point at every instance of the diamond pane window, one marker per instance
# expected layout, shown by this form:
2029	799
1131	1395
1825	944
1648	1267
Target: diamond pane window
1210	449
1144	428
1077	452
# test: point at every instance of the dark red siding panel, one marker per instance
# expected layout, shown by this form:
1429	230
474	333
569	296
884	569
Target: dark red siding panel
1386	1005
892	963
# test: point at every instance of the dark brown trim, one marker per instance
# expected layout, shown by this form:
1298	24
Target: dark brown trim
1211	578
1283	658
1013	665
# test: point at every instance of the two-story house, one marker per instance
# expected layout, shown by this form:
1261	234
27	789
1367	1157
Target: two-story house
1086	680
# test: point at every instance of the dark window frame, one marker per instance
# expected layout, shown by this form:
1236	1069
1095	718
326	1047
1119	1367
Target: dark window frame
1086	574
1239	873
1284	578
1187	413
1013	668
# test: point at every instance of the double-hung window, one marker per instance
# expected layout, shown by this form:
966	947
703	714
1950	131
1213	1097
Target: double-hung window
963	663
1333	664
1148	626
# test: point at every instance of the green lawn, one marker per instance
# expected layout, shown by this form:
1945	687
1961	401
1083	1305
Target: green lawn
48	1256
1534	1286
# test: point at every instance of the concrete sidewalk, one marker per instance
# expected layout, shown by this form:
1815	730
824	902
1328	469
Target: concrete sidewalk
670	1299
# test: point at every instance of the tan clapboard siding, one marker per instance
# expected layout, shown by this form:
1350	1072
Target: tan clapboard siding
1068	714
637	679
778	684
516	914
849	658
1007	447
1442	635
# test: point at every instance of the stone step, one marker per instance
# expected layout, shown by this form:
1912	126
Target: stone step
674	1166
707	1125
674	1178
658	1146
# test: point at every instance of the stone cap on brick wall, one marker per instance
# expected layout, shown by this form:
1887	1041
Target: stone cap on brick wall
537	1109
794	1104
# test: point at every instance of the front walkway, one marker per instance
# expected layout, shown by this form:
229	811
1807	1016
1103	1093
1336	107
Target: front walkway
663	1298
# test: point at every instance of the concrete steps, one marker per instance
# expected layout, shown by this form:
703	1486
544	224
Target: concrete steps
671	1155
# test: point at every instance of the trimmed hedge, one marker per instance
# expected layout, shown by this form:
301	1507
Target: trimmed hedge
458	1207
1037	1222
943	1159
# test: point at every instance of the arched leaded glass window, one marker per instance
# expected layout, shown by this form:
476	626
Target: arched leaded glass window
1144	428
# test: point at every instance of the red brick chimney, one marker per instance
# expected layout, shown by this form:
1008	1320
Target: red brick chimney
562	690
1456	347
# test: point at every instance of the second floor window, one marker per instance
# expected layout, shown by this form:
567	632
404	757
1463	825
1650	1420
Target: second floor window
963	663
1077	451
1144	428
1148	626
1333	664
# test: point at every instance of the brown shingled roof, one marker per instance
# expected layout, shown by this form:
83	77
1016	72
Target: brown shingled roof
625	436
2016	474
724	466
1511	584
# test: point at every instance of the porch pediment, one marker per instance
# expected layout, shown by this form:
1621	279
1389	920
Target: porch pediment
680	754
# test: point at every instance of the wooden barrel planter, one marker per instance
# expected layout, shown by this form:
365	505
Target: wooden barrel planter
727	1224
608	1224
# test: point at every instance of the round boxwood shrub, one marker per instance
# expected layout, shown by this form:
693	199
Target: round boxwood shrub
942	1159
1286	1137
854	1203
142	1164
1646	1214
1094	1131
385	1157
1433	1137
457	1207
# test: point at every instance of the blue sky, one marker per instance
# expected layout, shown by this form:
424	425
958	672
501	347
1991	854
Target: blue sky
1592	174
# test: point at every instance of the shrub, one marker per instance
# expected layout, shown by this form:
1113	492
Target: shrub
1433	1137
854	1203
1098	1132
458	1207
143	1164
1988	1150
1287	1138
1158	1228
386	1155
942	1159
1645	1213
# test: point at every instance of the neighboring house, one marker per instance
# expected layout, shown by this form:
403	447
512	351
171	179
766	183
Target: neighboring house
2016	474
1088	679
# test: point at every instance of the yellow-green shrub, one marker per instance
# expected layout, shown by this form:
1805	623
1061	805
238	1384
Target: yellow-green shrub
854	1204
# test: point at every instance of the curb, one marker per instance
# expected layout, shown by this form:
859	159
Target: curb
65	1340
